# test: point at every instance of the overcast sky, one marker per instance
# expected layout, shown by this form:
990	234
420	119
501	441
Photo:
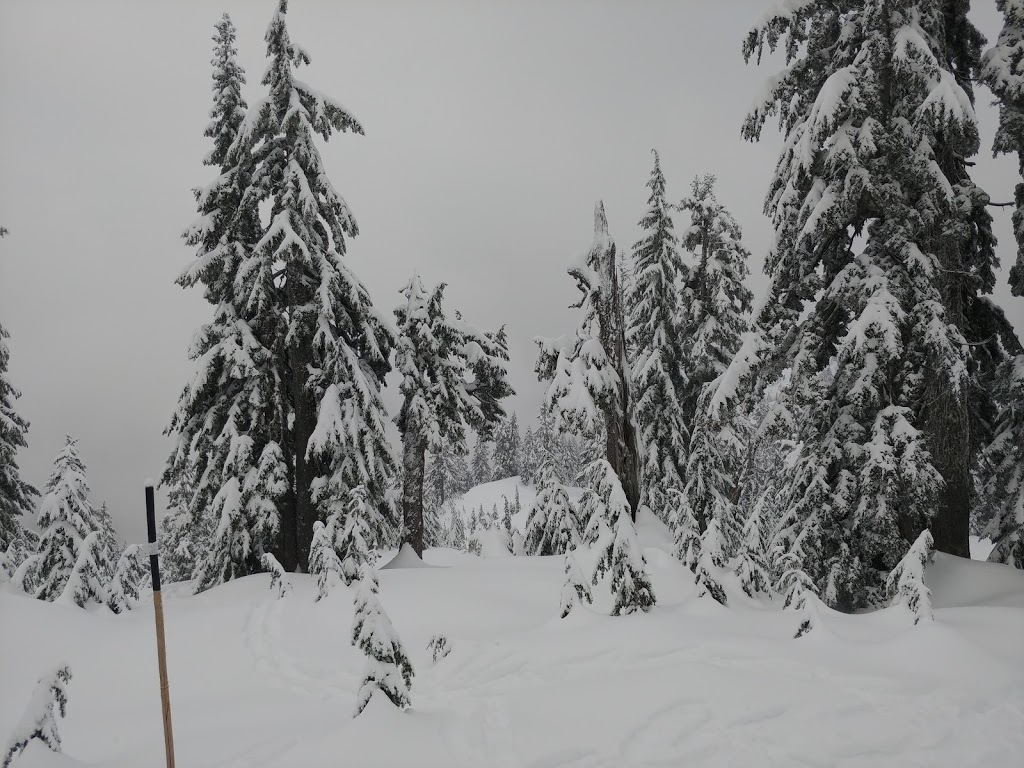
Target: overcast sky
491	129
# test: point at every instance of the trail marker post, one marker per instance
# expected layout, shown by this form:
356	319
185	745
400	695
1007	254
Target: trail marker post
158	610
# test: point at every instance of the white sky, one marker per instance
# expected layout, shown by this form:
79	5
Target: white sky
491	129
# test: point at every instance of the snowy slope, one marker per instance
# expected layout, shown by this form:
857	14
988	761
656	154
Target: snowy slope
261	683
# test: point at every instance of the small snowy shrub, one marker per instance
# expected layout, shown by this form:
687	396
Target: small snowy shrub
575	589
439	648
388	669
278	577
905	584
49	701
800	594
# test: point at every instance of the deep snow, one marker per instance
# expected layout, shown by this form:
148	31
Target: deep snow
261	682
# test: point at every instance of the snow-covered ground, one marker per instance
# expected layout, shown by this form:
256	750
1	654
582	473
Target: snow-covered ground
260	682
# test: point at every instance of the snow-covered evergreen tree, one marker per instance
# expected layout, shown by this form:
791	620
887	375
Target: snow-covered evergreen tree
86	583
49	703
179	544
16	495
111	543
656	342
710	556
123	590
507	449
388	669
529	461
438	647
66	520
1004	470
481	466
352	534
629	582
551	527
882	246
905	584
575	587
323	561
453	378
446	477
717	301
589	376
753	569
1003	73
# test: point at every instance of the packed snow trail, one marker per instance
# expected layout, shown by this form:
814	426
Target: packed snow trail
260	682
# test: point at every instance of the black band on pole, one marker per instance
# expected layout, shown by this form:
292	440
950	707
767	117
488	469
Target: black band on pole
154	561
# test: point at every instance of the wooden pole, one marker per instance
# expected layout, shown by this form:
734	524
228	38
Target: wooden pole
158	610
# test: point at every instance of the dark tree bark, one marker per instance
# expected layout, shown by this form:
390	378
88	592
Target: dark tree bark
414	452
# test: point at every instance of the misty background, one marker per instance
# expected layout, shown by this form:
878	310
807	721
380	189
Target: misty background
491	130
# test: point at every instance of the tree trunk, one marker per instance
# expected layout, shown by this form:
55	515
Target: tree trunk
305	469
621	438
413	464
287	547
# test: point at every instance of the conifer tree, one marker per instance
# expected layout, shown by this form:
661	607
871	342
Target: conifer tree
66	520
352	535
481	465
86	582
453	377
1004	470
123	590
1003	73
507	449
323	561
313	310
16	495
551	525
656	343
179	544
589	376
388	669
717	301
883	252
279	583
529	461
753	570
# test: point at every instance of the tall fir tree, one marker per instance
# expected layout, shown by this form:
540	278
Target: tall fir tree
882	251
453	378
225	452
656	342
16	495
551	526
590	383
66	521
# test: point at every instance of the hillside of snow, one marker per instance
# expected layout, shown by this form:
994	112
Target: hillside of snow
258	682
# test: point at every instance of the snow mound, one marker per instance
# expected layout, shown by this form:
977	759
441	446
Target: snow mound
406	558
494	542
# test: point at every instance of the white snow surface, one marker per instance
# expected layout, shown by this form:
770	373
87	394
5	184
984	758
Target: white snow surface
259	682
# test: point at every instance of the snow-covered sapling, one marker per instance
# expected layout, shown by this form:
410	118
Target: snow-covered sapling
85	583
801	594
278	577
575	589
323	561
388	669
711	556
438	647
905	584
123	592
49	701
629	582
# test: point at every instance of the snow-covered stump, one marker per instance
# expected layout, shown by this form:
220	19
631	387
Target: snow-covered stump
905	583
279	582
575	590
48	703
388	669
